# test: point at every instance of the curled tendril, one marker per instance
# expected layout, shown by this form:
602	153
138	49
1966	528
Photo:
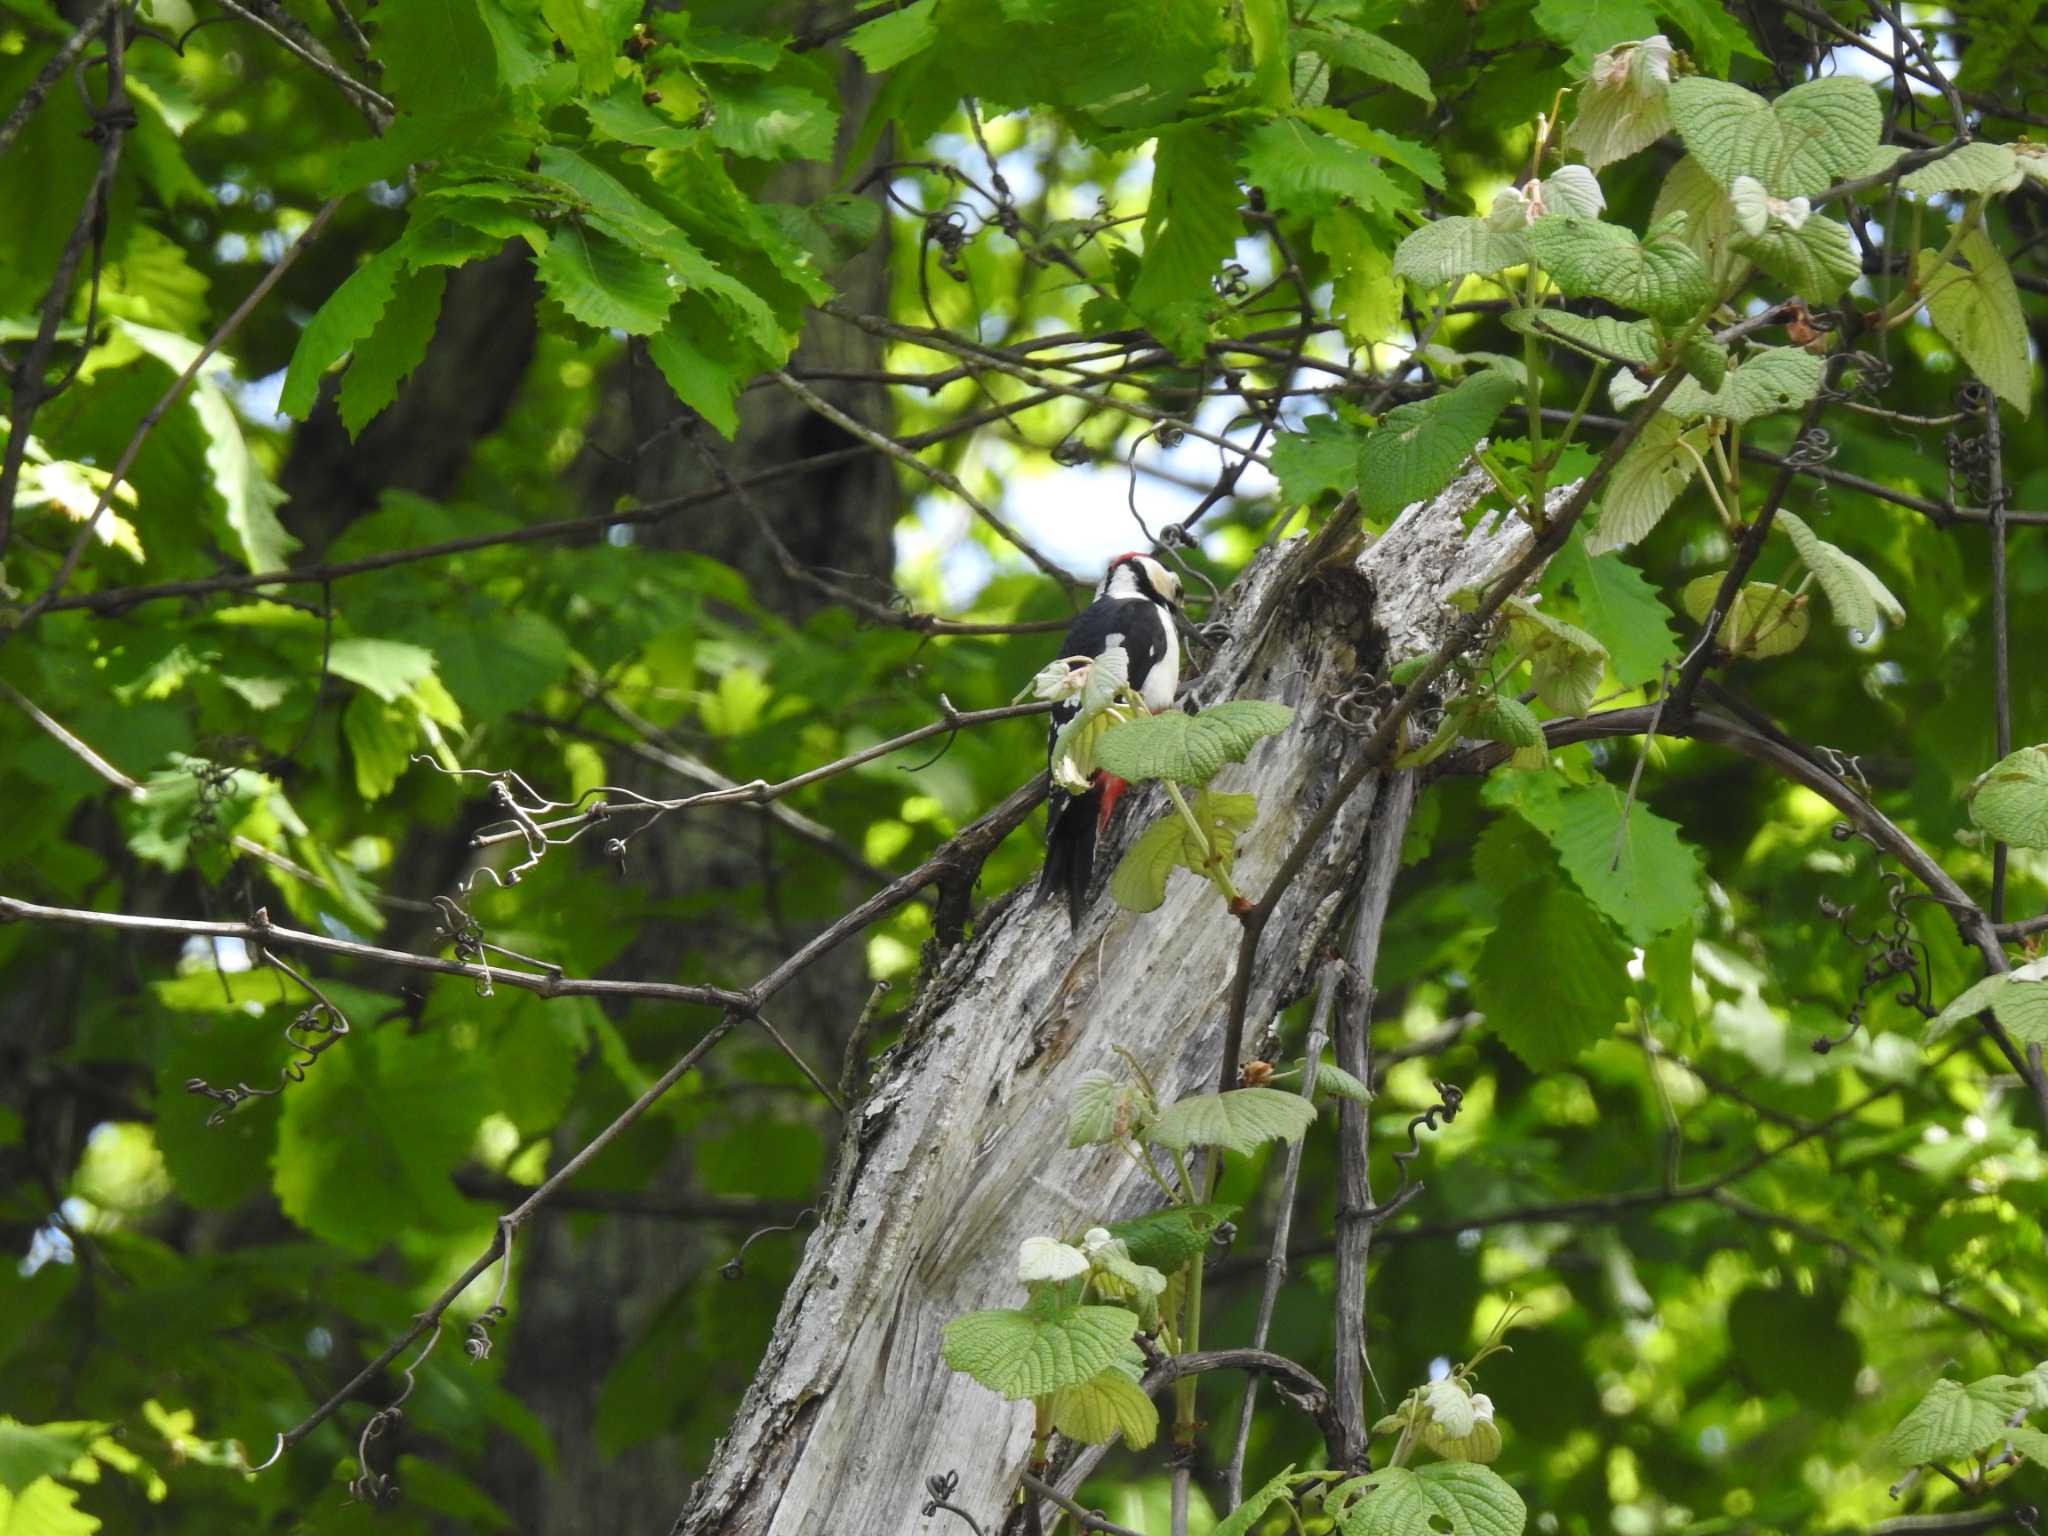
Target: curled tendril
1450	1099
941	1486
1815	447
736	1267
380	1490
314	1030
1890	951
478	1343
947	229
1230	283
1072	453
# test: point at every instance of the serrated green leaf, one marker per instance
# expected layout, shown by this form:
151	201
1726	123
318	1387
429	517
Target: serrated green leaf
1957	1419
2010	799
1549	1001
1977	167
1706	361
592	31
1811	136
1770	380
888	40
1502	717
1566	664
1307	171
1974	305
1621	609
1363	294
708	385
1445	250
604	283
390	669
1106	1106
1644	878
1588	26
1444	1498
1321	458
1239	1521
769	120
1659	275
45	1507
1764	620
1854	592
31	1451
1166	1239
1029	1354
1655	471
1237	1121
350	313
1818	260
1107	1405
1189	749
395	346
1631	341
1418	449
1351	47
1191	228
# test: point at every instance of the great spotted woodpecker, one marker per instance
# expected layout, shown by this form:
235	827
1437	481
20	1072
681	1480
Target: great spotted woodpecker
1135	608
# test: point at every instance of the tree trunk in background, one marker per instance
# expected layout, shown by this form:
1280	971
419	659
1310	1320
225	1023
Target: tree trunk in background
957	1155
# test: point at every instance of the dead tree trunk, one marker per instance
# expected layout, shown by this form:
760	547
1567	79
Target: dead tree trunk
957	1154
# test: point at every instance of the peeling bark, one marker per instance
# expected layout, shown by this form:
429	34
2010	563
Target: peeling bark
957	1154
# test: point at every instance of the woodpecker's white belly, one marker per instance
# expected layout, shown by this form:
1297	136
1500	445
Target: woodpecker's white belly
1164	678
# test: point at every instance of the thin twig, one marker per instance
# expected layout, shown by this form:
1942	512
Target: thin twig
53	71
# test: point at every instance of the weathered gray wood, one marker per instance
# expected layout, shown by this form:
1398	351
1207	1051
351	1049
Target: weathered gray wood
959	1151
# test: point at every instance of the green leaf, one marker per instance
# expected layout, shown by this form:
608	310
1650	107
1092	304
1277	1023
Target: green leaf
1706	361
1764	620
1339	1084
1502	717
1418	448
391	351
29	1452
1139	882
1975	168
1715	35
1306	171
390	669
1658	275
1854	592
1166	1239
1191	229
1445	250
888	40
1645	879
1622	610
1237	1121
1973	304
1321	458
1240	1520
1189	749
45	1508
1785	1342
1566	665
1031	1353
1770	380
1817	261
1955	1420
603	283
766	120
592	31
1655	471
1106	1106
1797	145
368	1143
1548	1001
350	313
2010	799
1588	26
708	385
1105	1406
1445	1498
1632	341
1351	47
1363	294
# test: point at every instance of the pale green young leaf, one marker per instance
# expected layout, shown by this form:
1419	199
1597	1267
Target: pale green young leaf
1363	294
1602	336
1976	308
1189	749
2010	798
1445	250
1796	145
1657	468
2017	998
1549	1001
1765	620
1818	260
1566	664
1622	108
1709	217
349	315
1031	1353
1659	275
1957	1419
1166	1239
32	1451
1502	717
390	669
603	283
1238	1121
1444	1498
1418	448
1767	381
1241	1520
1073	747
1352	47
1108	1405
888	40
1855	594
1139	881
1339	1084
1977	168
398	344
1104	1107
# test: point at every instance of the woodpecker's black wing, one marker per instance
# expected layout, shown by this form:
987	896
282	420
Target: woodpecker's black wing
1071	821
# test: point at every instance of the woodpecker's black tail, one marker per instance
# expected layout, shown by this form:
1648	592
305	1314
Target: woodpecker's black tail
1070	848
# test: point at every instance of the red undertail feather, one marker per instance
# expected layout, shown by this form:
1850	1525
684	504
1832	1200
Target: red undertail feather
1112	789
